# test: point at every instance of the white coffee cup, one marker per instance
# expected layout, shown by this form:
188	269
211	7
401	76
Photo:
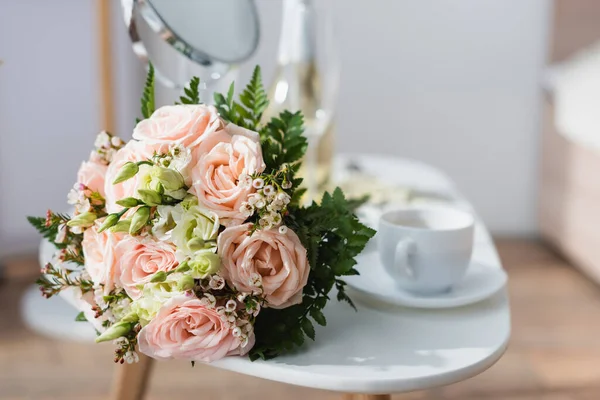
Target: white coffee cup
426	250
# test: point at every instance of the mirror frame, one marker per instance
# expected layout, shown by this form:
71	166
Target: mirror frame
147	11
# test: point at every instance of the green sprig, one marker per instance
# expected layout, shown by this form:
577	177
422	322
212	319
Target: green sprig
253	102
147	100
192	92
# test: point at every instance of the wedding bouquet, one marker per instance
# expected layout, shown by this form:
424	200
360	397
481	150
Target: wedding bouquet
190	241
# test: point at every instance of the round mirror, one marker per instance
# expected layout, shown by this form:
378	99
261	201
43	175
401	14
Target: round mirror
185	38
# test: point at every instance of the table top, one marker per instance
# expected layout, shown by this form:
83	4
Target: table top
390	349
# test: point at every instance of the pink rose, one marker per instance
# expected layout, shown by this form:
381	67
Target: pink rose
141	257
180	124
186	329
278	260
220	163
100	259
92	174
133	151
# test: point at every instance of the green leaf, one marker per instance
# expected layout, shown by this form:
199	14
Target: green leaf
318	316
191	93
81	317
147	100
308	328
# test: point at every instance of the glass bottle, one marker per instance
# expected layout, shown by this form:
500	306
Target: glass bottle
306	80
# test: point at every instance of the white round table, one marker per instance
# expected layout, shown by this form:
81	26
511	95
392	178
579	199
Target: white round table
387	349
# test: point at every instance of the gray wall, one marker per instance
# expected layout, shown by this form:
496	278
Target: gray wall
452	83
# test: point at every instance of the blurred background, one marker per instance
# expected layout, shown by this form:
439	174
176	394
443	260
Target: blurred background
502	95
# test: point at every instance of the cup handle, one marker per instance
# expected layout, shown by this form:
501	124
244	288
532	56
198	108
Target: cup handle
404	250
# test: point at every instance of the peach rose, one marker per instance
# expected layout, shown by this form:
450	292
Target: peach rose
92	174
133	151
278	261
141	257
186	329
181	124
220	163
100	259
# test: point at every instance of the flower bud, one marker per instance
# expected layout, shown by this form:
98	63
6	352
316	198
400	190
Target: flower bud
158	277
110	221
139	220
129	202
196	244
127	171
183	267
84	219
121	226
204	264
169	178
117	330
150	197
185	283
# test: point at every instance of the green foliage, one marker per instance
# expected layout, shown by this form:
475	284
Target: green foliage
148	94
54	279
192	94
248	111
81	317
283	142
333	236
48	228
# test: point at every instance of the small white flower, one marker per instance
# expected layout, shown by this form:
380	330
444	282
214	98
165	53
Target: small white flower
121	341
247	327
260	204
223	317
241	297
61	235
73	196
109	154
244	341
131	357
258	183
216	282
246	209
283	229
220	310
255	280
236	332
252	199
269	189
286	184
245	180
116	141
231	305
102	140
231	319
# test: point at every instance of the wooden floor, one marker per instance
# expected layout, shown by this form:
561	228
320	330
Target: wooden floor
554	353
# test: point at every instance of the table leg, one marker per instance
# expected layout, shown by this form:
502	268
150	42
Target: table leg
367	397
131	380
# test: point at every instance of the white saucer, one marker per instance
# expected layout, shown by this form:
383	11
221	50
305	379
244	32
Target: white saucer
480	282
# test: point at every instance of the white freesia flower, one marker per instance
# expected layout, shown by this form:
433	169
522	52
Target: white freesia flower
181	159
196	229
203	264
165	223
154	295
163	180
